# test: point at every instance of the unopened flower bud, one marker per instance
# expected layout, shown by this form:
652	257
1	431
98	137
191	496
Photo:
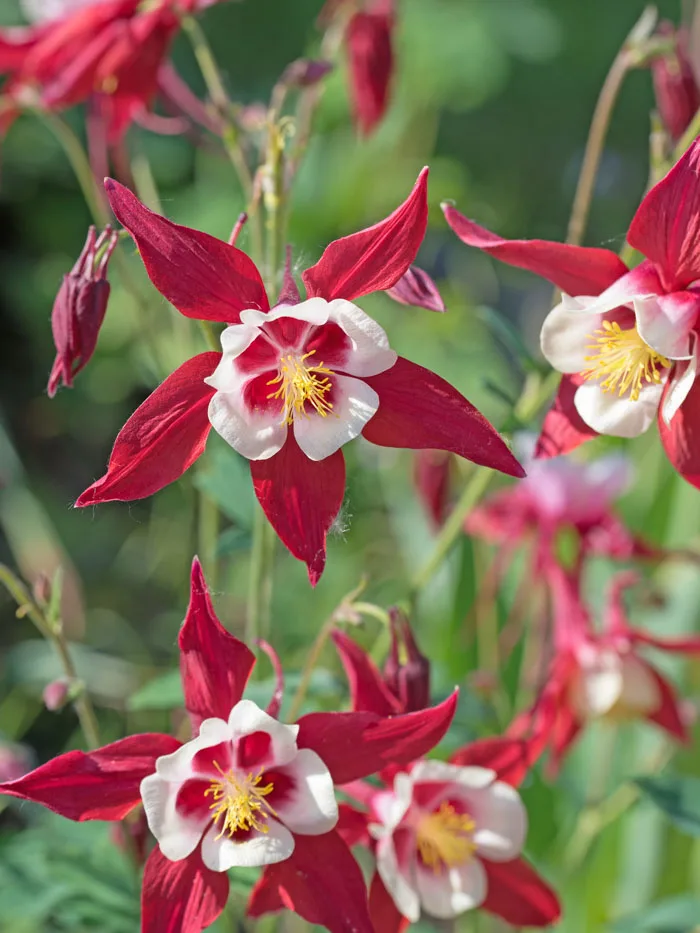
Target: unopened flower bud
677	94
305	72
80	307
407	671
55	695
416	288
431	476
15	761
371	60
41	589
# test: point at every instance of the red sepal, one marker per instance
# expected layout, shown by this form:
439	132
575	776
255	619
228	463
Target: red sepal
681	439
320	881
181	897
518	895
368	692
563	429
511	759
301	499
203	277
215	666
374	259
418	409
668	715
99	785
383	911
162	439
576	270
355	745
353	825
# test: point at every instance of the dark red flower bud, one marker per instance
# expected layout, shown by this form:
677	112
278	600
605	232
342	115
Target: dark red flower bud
407	671
131	835
80	307
304	72
55	695
371	61
416	288
431	475
677	94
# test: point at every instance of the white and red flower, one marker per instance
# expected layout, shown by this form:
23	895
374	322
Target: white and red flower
246	790
293	384
624	340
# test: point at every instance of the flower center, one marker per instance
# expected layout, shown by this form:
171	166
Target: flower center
299	384
623	360
445	838
240	802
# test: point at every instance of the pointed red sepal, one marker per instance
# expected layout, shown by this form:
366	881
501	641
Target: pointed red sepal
355	745
374	259
301	499
383	911
563	429
289	294
181	897
215	666
420	410
666	227
368	692
511	759
353	826
668	715
162	439
576	270
99	785
517	894
681	439
203	277
275	704
320	881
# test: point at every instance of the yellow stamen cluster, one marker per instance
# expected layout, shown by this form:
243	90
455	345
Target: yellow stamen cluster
445	838
240	801
299	384
623	360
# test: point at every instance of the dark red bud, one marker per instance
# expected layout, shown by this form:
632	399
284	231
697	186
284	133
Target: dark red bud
55	695
407	671
677	94
371	61
416	288
305	72
431	475
80	307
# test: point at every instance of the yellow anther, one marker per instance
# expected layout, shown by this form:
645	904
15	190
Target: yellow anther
240	801
623	361
445	838
300	384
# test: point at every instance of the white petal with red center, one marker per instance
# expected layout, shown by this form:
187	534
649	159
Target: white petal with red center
567	334
314	311
665	322
177	767
397	879
177	833
221	852
501	822
448	893
354	403
247	718
640	693
390	807
370	353
681	382
309	807
597	686
608	413
256	435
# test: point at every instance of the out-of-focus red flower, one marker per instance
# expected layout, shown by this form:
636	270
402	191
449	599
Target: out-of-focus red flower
294	383
80	307
15	760
642	323
431	477
247	790
447	838
677	94
369	43
600	675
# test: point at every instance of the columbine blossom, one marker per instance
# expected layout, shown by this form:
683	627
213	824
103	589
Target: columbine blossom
247	790
293	384
624	340
600	675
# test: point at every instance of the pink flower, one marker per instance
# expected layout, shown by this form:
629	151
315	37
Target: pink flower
246	790
624	340
600	675
293	384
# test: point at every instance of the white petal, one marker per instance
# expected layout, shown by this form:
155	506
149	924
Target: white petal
254	435
665	324
246	717
682	380
177	767
311	808
234	340
177	835
354	403
397	879
567	333
390	807
607	413
315	311
501	822
371	353
597	686
609	477
219	853
640	692
447	894
472	777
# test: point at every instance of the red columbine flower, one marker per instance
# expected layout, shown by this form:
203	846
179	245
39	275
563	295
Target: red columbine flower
247	790
80	307
294	383
624	340
600	675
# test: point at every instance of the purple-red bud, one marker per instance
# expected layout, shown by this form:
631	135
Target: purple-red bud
15	761
416	288
369	41
677	94
407	671
55	695
305	72
80	307
431	475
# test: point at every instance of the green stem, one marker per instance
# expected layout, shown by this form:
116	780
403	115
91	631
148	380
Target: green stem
256	579
208	537
311	662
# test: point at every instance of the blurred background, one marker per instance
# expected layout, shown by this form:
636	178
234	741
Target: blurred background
496	96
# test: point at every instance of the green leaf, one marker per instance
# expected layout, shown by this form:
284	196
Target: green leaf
226	480
679	798
674	915
163	692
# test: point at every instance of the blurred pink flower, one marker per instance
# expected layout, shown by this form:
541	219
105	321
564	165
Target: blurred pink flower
15	761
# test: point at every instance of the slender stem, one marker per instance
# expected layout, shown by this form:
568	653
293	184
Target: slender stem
256	578
311	662
208	536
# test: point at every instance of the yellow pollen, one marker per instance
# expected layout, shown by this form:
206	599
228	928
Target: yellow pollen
109	85
299	384
445	838
623	360
240	801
